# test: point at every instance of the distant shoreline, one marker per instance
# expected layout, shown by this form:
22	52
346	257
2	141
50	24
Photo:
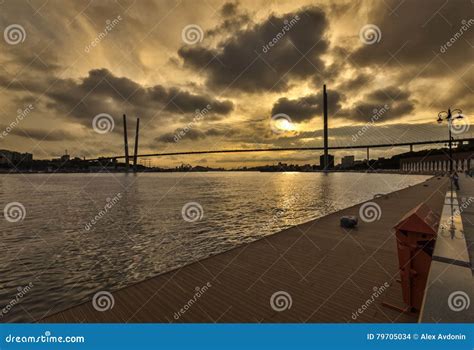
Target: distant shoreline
380	171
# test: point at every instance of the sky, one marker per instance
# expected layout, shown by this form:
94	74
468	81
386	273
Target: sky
208	75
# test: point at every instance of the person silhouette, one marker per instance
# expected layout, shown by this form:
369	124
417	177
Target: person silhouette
455	179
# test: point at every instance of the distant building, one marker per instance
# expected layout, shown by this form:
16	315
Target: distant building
14	158
330	161
65	158
347	162
106	160
423	161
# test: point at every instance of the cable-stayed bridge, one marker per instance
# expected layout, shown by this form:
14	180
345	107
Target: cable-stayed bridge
347	139
353	137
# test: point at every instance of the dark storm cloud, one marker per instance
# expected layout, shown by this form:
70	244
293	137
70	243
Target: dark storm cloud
102	82
394	101
357	83
42	134
307	107
332	72
229	25
388	94
364	111
229	9
194	134
413	32
241	62
233	19
103	92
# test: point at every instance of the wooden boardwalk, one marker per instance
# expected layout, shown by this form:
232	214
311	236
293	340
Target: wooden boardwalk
328	272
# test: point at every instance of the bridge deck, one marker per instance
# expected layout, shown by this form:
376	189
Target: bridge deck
328	272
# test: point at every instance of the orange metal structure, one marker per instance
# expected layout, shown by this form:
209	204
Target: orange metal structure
416	235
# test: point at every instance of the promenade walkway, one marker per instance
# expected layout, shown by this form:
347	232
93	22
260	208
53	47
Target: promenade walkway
317	272
450	284
466	195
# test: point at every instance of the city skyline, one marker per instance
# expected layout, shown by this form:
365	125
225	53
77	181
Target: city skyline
431	160
212	76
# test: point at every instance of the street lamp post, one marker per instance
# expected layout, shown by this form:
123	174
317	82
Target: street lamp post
448	116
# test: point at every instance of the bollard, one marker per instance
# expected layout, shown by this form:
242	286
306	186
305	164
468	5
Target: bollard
416	235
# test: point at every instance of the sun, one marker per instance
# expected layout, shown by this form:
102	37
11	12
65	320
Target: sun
284	124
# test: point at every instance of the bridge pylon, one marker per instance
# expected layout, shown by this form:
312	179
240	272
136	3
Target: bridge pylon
135	152
125	142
